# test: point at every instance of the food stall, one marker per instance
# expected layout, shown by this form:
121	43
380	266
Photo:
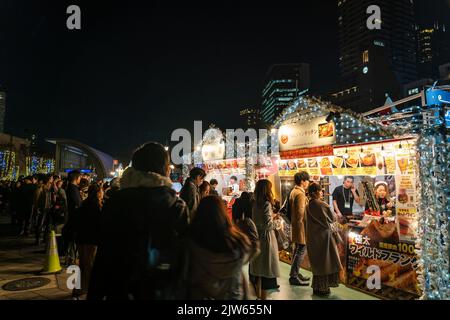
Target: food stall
247	170
331	143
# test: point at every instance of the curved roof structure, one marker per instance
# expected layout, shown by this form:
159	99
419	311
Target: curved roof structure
103	162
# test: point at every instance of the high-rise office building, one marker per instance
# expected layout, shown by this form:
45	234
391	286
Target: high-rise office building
374	63
433	50
251	118
283	83
397	36
2	110
371	85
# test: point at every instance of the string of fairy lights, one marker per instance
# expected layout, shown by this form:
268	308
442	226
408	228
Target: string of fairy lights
10	167
351	127
36	164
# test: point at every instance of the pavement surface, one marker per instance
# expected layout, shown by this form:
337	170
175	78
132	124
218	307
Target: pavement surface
20	259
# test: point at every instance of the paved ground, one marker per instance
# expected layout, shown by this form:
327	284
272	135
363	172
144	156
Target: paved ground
20	258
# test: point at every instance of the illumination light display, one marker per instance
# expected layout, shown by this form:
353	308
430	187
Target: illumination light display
37	165
8	169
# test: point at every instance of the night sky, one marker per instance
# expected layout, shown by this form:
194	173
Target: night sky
135	71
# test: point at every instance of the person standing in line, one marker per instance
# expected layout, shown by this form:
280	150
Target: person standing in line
73	203
218	251
297	205
142	249
213	183
25	204
87	222
190	193
265	267
322	248
204	189
44	205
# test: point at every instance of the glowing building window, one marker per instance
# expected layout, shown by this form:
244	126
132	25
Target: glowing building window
366	56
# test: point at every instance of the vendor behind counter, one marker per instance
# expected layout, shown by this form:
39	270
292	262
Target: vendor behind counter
344	197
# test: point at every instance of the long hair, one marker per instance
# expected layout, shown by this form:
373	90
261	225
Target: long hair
263	193
93	196
203	187
242	208
212	229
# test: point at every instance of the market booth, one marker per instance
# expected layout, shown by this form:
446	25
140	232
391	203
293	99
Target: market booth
247	170
388	219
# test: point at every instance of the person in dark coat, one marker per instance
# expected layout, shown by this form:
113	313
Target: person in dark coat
60	203
73	192
26	204
218	251
87	220
43	205
141	253
322	249
190	192
213	183
15	202
242	218
73	203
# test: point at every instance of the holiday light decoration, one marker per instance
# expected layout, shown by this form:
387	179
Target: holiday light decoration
351	127
434	213
39	165
7	164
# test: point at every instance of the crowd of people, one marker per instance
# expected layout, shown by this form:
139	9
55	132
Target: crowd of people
135	238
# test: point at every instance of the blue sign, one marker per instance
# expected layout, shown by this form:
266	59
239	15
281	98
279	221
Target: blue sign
437	97
81	170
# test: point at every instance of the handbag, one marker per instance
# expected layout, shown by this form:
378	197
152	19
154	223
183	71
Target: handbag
282	240
334	229
335	232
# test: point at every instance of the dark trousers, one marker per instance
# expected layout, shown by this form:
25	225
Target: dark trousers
24	219
299	254
43	224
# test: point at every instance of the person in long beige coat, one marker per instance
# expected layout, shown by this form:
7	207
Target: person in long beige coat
265	267
322	249
297	206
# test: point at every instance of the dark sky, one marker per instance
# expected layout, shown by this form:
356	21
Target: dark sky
135	71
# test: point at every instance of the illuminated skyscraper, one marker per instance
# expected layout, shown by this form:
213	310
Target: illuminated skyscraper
433	50
283	83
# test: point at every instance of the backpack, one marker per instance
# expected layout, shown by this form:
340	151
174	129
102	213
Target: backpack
285	211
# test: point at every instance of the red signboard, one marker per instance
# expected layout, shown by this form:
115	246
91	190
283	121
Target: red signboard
307	153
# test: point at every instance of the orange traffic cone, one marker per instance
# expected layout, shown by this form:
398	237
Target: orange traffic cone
52	261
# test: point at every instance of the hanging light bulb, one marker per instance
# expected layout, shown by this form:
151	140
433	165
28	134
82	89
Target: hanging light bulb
346	156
